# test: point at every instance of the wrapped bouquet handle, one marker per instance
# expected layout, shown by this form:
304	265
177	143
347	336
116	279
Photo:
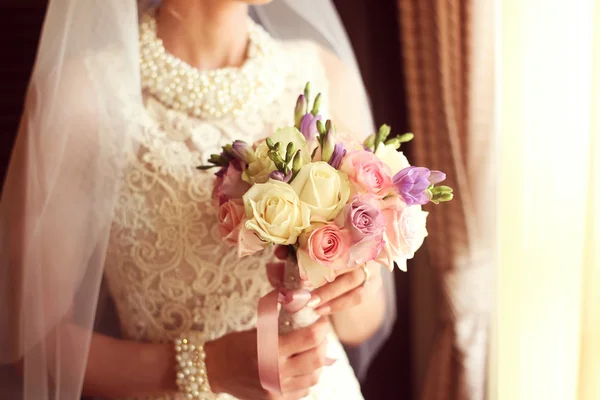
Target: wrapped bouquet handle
293	295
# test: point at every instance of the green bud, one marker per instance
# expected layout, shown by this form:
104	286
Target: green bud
384	132
381	136
307	92
297	163
316	105
215	159
228	149
301	107
441	198
407	137
370	141
321	127
441	189
277	146
395	142
289	152
328	147
270	143
329	126
277	160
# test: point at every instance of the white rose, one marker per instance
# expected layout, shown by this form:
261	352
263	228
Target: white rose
323	189
258	171
393	158
275	212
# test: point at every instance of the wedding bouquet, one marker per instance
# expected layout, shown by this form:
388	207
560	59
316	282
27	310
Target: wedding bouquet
337	204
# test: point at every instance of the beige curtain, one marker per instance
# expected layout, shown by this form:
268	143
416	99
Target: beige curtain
547	341
448	56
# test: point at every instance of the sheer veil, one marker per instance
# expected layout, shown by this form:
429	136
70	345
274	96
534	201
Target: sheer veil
83	108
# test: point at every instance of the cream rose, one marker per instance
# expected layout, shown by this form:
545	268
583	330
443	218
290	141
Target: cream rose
275	212
323	189
258	171
393	158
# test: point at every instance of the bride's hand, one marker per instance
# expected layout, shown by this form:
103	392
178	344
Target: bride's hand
348	290
231	363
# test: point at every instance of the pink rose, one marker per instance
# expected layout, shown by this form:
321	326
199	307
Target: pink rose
248	241
405	231
230	216
231	185
323	252
363	218
368	173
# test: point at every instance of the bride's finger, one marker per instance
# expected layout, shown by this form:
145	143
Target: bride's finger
342	284
304	339
306	362
343	302
299	383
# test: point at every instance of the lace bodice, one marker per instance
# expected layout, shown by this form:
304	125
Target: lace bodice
167	269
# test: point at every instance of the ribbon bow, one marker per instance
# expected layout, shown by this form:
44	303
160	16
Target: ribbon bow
267	331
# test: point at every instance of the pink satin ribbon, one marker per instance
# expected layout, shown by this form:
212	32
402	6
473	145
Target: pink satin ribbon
267	330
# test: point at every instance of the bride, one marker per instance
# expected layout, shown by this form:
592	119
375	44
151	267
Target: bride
102	188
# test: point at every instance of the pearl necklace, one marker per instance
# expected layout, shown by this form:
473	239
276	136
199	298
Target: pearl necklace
212	94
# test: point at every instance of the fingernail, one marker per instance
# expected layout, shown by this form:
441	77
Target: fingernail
314	301
330	361
323	310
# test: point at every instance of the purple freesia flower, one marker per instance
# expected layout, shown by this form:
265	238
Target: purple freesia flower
436	177
412	182
242	151
279	176
338	153
308	126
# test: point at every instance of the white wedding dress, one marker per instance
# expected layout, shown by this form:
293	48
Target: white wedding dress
166	267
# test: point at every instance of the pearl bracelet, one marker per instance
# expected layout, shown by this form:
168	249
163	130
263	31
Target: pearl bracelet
192	378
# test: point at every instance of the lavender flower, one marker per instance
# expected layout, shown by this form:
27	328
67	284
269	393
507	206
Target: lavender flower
338	153
308	126
412	182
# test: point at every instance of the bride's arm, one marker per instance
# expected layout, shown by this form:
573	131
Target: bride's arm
358	323
120	368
